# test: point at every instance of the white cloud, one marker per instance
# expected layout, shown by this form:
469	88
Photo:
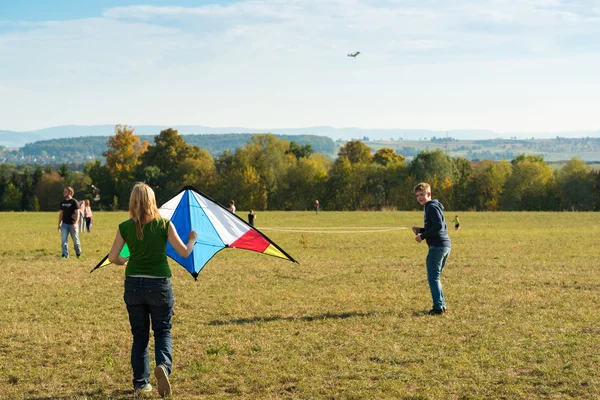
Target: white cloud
283	63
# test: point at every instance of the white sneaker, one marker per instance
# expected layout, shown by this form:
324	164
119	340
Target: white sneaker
162	381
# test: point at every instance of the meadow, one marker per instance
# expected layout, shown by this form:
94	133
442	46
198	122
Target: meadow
348	322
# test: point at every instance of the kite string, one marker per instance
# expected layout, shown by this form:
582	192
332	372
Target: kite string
326	230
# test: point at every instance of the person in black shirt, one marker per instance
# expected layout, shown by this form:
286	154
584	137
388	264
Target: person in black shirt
68	220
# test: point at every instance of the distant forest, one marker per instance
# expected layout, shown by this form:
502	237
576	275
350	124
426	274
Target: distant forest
83	149
268	173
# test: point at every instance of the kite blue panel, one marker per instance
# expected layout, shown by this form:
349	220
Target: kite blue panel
189	215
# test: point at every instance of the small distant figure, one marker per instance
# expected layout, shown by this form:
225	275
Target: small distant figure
456	223
251	217
88	215
354	54
317	207
231	207
81	216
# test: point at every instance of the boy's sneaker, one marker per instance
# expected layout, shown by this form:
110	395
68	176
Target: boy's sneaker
437	311
65	257
162	381
79	255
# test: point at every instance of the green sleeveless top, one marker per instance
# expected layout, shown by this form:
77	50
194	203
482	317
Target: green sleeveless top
148	256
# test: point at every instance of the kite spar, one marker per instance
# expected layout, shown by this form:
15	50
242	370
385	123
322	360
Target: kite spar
217	229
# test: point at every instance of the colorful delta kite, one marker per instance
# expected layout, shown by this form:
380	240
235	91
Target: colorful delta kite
217	229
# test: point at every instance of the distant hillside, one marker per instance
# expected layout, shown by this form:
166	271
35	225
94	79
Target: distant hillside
14	139
91	147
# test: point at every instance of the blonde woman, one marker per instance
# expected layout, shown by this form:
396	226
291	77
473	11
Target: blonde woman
148	290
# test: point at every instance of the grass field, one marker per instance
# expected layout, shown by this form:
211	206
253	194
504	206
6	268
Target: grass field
348	322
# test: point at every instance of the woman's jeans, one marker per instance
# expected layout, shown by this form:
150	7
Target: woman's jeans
149	299
65	231
436	260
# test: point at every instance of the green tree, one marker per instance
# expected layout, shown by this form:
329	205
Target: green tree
65	173
102	180
200	173
528	187
11	198
267	155
459	196
575	185
304	182
27	189
300	151
166	157
49	191
432	167
487	185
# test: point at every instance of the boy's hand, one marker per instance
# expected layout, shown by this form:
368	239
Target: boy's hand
418	238
415	229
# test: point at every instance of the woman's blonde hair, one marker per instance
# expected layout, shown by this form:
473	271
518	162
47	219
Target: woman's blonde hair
142	207
87	203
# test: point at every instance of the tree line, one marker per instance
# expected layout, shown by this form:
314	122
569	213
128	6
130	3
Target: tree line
268	173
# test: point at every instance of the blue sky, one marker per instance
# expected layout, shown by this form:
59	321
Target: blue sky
504	65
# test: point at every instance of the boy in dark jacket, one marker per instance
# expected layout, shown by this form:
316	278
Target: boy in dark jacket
435	233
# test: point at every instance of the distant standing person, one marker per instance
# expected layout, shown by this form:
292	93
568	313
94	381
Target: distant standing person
251	217
68	220
81	216
89	215
316	206
456	223
231	206
435	233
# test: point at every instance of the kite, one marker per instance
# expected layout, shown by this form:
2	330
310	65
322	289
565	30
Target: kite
354	54
217	229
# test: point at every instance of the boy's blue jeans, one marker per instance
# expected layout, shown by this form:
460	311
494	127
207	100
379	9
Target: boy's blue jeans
65	230
436	261
149	299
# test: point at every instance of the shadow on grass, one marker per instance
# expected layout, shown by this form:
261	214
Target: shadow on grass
243	321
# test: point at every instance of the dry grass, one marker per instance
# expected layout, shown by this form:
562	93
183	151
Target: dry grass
523	291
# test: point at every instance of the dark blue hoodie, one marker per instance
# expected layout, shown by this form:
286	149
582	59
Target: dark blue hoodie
435	231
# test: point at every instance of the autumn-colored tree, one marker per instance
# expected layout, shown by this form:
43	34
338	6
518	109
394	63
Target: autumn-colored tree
123	153
356	152
386	156
123	156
